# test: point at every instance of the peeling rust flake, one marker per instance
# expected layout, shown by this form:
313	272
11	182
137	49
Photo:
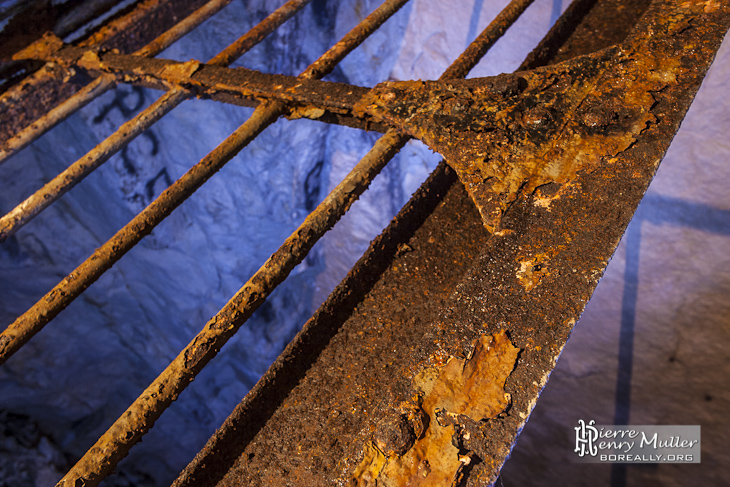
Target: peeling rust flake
515	132
44	47
418	447
180	73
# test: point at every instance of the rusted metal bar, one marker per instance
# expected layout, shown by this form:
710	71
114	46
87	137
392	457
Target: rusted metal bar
331	96
147	408
58	114
200	472
208	80
29	20
127	32
231	53
34	319
218	84
114	444
47	79
77	171
224	88
104	82
531	281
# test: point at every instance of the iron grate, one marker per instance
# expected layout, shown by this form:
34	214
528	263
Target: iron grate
541	102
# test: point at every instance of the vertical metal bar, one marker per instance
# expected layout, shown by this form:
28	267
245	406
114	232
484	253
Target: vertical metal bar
104	82
76	172
141	415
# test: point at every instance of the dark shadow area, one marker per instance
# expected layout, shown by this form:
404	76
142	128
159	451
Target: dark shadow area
656	209
626	340
586	26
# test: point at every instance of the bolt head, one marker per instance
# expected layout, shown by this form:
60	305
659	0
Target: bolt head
596	117
537	117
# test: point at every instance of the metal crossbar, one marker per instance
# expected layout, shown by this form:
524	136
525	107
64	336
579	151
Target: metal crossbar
489	130
102	38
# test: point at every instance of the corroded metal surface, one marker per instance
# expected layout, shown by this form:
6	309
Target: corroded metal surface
33	320
307	421
409	449
56	115
534	279
310	98
51	75
208	80
510	133
26	104
502	135
518	132
247	87
141	415
441	308
582	29
84	166
353	370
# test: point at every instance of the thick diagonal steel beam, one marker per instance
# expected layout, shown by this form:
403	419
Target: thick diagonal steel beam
347	402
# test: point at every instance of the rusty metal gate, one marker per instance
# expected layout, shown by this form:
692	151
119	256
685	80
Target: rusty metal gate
426	361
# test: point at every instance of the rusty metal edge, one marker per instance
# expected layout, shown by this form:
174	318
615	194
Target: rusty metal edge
77	171
540	321
227	443
141	415
475	286
57	96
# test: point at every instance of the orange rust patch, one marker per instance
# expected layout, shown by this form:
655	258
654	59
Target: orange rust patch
531	271
45	46
180	73
472	387
510	134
